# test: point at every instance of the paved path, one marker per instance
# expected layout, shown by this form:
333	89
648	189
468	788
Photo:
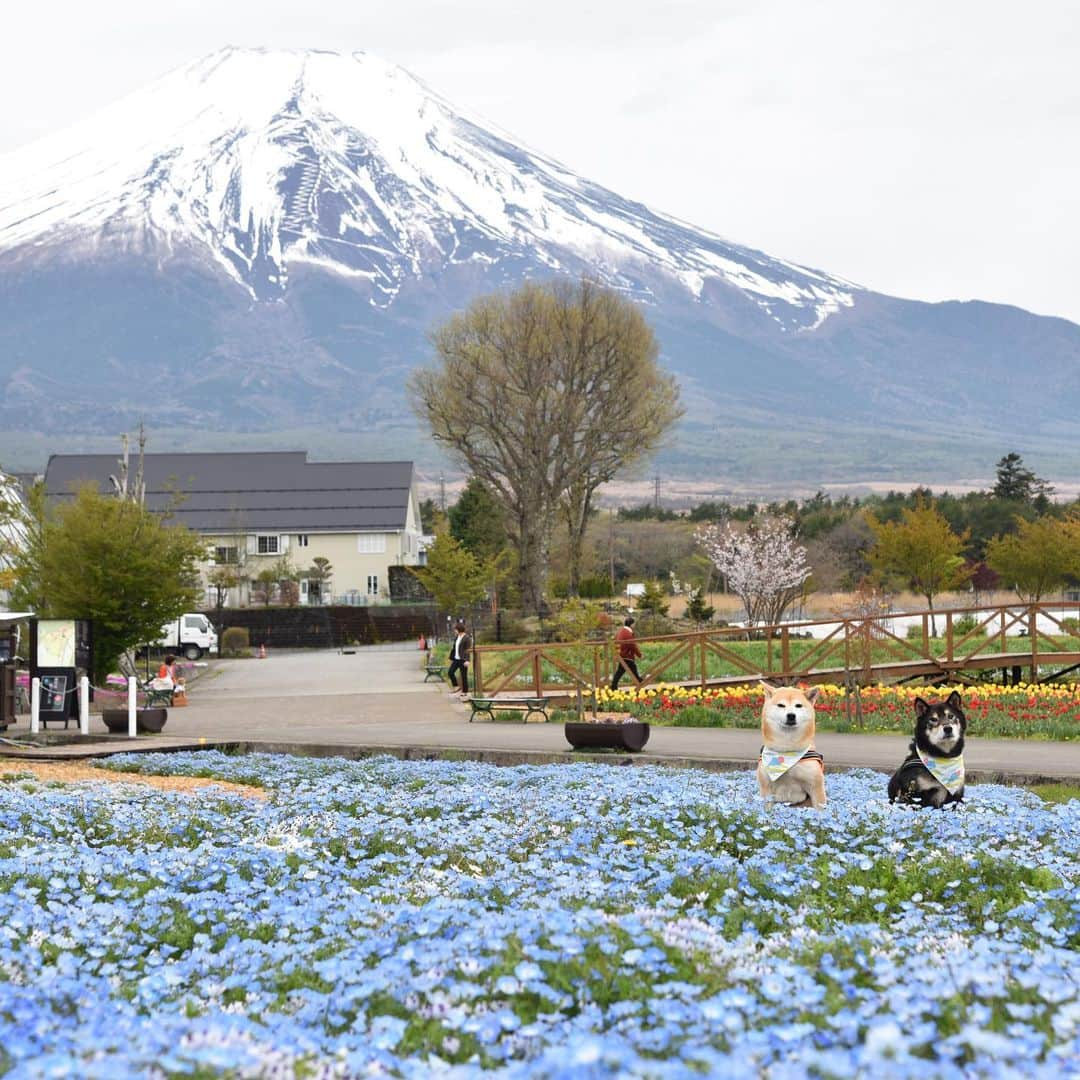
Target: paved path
377	698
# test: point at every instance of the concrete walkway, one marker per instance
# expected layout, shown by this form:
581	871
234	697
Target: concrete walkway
376	699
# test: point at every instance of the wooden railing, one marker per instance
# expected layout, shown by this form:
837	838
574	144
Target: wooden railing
862	649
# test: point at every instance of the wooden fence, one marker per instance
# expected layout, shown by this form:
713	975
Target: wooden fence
860	650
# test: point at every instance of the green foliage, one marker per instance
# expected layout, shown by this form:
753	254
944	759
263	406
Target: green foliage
697	609
478	520
595	587
453	575
653	600
1016	481
1057	793
1039	557
235	641
577	619
647	512
429	515
965	625
110	560
921	549
320	570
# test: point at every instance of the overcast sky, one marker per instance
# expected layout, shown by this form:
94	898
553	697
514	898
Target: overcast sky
923	148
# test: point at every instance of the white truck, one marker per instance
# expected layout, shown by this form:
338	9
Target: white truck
189	635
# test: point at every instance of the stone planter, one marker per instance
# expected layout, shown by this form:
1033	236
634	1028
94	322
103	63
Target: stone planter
585	736
147	721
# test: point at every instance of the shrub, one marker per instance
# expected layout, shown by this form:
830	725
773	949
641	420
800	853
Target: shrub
595	587
965	624
507	630
235	641
652	624
576	619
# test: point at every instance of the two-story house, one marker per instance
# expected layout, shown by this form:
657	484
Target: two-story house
263	511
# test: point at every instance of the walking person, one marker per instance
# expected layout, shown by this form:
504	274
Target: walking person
460	648
629	652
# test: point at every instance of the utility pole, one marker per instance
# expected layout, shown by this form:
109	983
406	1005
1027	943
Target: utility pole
656	494
442	492
611	546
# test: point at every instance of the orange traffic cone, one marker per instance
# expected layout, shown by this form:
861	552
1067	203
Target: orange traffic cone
262	652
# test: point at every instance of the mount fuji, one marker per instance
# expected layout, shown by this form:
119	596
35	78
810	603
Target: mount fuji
260	241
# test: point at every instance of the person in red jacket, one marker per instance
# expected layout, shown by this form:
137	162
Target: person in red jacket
629	652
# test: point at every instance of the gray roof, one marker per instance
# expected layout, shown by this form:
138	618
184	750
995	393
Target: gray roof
278	491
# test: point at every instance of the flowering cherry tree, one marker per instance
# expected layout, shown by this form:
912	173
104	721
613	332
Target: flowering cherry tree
764	565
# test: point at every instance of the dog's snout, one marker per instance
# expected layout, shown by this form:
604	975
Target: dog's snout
791	718
948	732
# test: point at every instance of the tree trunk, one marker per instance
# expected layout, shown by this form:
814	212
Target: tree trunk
533	539
933	620
578	504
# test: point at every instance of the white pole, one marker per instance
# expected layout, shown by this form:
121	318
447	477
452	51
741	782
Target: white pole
132	684
35	705
84	705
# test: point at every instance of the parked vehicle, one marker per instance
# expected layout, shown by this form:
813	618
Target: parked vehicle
190	635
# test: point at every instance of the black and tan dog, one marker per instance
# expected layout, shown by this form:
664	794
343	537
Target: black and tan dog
933	772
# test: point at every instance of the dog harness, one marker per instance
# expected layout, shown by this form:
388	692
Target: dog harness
947	771
777	762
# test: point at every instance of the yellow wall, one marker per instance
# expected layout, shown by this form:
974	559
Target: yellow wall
350	567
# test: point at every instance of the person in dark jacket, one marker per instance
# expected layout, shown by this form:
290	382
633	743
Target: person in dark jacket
460	648
629	652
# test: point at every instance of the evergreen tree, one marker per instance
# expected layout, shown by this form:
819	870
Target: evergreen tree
697	609
653	599
1016	481
478	521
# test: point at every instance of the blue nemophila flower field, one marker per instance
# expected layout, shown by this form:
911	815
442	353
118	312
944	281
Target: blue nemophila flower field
416	919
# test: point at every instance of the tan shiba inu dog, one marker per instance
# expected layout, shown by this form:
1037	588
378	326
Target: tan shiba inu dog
789	769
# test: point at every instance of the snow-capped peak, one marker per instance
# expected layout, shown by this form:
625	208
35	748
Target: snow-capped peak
267	159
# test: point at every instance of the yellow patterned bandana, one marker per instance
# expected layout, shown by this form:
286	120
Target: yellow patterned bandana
947	771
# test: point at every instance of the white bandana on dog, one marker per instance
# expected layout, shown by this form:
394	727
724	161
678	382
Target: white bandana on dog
777	762
947	771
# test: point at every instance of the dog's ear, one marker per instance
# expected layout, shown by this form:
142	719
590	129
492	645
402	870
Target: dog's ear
953	701
812	693
921	708
767	687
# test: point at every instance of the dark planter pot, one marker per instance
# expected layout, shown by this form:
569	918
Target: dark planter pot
631	736
147	721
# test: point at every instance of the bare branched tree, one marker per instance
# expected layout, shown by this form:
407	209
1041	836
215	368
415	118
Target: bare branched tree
545	394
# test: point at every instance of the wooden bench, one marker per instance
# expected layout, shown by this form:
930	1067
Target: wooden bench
156	696
435	670
490	706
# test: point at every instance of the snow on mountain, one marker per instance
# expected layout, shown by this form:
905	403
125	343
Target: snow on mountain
268	160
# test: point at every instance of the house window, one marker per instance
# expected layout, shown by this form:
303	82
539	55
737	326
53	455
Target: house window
301	540
226	556
267	545
371	543
373	584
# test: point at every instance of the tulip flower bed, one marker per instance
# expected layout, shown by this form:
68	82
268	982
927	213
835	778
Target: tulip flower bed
407	919
1047	710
